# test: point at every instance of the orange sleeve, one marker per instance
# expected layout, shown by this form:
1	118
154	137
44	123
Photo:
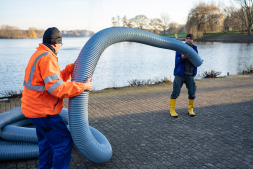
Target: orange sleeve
54	84
66	73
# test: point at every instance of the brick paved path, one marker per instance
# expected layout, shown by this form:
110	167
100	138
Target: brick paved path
136	121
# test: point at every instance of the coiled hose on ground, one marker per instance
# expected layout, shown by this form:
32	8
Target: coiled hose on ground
90	142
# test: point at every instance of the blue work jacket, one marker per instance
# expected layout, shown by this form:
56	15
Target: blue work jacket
179	64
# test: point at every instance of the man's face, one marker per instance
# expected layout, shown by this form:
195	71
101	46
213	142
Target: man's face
57	47
188	40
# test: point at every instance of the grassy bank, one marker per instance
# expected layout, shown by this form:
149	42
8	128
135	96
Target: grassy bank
231	37
180	36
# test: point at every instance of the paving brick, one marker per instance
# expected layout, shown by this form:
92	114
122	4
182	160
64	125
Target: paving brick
11	165
143	135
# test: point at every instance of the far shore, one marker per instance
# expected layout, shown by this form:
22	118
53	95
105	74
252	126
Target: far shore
226	39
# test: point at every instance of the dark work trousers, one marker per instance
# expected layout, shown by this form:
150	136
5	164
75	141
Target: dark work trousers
55	142
178	83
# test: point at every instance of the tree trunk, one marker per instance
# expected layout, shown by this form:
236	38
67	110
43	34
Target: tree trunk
249	30
242	27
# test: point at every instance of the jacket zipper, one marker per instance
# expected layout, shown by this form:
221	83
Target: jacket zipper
56	104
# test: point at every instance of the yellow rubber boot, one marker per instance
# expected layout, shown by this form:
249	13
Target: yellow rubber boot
172	108
190	109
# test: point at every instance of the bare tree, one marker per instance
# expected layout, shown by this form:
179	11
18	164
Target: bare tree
143	22
156	25
40	32
118	20
239	14
140	22
246	13
173	27
233	19
114	22
125	22
31	33
181	28
11	32
204	18
131	23
165	21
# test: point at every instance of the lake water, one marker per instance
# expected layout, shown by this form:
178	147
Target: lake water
122	62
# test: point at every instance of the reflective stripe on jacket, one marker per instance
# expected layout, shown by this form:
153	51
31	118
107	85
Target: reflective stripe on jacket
45	85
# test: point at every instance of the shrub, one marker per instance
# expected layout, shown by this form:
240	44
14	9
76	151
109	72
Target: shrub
248	70
11	93
211	74
143	82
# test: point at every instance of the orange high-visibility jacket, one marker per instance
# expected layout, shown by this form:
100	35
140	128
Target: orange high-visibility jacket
45	85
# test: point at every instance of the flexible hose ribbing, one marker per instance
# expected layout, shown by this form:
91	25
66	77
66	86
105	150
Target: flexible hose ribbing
17	140
92	145
90	142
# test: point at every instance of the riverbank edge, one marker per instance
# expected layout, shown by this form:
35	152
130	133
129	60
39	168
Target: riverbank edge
227	39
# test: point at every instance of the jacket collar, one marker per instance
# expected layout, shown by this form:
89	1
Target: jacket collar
192	45
50	47
41	45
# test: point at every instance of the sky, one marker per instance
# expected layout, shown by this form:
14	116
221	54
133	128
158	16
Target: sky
91	15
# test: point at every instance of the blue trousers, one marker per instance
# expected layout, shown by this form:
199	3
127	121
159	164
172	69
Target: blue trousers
55	142
178	83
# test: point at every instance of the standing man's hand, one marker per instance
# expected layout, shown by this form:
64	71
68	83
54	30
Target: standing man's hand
88	84
184	56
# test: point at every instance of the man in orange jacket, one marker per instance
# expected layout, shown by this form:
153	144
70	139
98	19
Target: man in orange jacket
45	86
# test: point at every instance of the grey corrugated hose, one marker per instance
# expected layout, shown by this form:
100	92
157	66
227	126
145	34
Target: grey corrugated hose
90	142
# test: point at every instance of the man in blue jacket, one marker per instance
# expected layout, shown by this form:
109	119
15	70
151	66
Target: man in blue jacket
184	72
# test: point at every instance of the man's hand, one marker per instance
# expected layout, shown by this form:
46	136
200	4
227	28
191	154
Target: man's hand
184	56
88	84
